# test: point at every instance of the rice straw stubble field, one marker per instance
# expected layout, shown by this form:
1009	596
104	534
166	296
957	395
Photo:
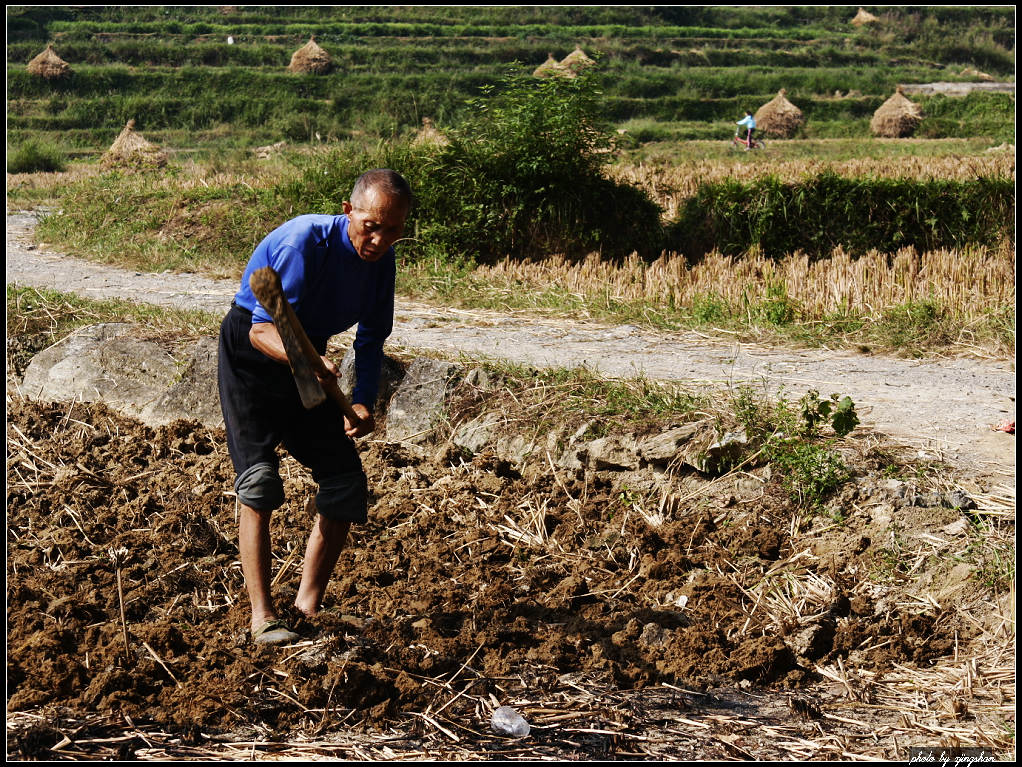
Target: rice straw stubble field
902	301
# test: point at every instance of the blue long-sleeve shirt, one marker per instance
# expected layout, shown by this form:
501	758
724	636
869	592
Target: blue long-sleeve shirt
748	121
331	289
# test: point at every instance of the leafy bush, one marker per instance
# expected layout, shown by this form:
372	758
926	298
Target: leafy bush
915	325
35	156
838	411
708	309
777	308
809	472
860	214
522	177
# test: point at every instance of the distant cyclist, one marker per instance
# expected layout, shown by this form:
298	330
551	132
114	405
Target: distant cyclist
750	123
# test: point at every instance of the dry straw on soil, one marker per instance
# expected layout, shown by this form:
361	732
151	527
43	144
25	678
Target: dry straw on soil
551	68
858	712
971	282
864	17
896	118
779	117
310	59
49	65
131	150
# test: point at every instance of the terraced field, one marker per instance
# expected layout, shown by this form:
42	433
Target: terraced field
200	76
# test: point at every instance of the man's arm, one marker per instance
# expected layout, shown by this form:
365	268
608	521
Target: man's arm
373	329
265	338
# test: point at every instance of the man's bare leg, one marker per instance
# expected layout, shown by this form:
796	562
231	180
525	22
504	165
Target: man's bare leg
254	548
321	554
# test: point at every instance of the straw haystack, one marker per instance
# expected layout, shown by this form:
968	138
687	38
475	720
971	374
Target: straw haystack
310	58
264	152
779	117
131	150
896	118
971	72
428	134
576	61
864	17
49	65
551	68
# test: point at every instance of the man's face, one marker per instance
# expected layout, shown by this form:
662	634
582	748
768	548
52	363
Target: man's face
375	223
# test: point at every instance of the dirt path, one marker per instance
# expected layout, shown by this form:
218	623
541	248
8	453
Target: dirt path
943	407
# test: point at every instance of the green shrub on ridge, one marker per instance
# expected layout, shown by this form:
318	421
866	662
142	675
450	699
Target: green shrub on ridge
523	178
35	156
859	214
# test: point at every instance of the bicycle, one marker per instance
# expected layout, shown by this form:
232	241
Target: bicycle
737	142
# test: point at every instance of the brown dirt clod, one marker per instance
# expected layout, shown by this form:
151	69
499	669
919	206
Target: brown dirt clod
449	587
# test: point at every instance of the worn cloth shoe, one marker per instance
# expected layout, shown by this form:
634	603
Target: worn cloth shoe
274	632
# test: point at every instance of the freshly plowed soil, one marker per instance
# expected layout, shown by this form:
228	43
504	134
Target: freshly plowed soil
469	576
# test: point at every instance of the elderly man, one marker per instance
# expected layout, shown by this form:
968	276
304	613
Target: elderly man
336	271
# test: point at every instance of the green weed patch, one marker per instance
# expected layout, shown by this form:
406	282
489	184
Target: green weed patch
36	155
859	214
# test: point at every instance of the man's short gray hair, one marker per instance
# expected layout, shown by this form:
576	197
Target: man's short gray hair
383	180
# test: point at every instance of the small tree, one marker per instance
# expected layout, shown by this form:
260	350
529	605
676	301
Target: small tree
522	177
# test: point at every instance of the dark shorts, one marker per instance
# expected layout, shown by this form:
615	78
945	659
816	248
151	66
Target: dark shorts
262	409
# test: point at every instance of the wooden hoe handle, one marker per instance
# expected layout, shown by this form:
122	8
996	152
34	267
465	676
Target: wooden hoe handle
306	364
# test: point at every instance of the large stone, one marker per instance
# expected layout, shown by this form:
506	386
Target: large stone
515	448
709	454
107	362
663	447
575	455
195	396
391	373
476	434
420	402
616	452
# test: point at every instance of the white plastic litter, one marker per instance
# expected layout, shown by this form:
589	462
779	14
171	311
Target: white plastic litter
507	721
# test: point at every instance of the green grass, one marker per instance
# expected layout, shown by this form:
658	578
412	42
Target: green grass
840	149
38	318
170	68
683	104
579	392
36	156
148	222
